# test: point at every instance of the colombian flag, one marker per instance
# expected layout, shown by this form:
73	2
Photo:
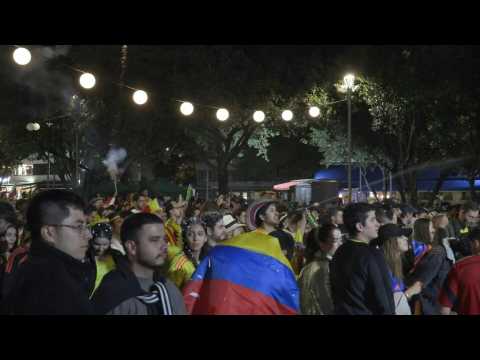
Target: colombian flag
247	275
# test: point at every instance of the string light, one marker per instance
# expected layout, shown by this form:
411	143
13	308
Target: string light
287	115
314	111
22	56
222	114
186	108
258	116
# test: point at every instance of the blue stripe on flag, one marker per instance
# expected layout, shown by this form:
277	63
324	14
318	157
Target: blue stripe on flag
252	270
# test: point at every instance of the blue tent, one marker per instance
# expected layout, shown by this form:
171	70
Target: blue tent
426	179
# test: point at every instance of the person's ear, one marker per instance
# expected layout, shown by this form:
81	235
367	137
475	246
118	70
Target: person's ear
48	234
131	247
359	227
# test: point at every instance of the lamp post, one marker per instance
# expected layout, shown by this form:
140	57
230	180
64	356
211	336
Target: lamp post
349	80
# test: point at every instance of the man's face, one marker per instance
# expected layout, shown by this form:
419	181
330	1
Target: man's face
219	232
271	216
150	249
370	229
333	243
141	203
73	237
338	219
471	217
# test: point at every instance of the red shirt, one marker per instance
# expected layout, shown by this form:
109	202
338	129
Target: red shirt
461	291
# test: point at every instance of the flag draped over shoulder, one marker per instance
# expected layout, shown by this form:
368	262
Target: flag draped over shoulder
247	275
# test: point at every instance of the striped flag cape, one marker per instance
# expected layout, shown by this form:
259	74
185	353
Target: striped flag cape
247	275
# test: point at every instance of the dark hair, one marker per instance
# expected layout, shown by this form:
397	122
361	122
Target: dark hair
354	214
7	212
186	249
102	230
137	196
384	212
440	234
474	234
134	223
212	218
319	234
50	207
469	206
333	212
263	211
421	231
168	207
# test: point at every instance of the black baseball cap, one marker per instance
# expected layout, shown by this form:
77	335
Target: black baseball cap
390	231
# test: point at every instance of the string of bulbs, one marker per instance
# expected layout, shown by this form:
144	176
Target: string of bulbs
23	57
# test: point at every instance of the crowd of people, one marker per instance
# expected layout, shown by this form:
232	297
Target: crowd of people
138	254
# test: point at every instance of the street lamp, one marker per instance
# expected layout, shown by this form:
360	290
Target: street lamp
140	97
87	80
348	81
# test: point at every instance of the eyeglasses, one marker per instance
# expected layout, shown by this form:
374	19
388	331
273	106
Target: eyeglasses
80	228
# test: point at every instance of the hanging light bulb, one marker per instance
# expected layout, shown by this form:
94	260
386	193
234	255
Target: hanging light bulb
287	115
22	56
258	116
222	114
140	97
186	108
87	80
314	111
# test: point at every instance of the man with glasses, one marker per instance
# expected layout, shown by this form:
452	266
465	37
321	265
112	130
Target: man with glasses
56	279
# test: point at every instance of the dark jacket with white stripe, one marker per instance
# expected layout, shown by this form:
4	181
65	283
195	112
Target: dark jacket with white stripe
122	293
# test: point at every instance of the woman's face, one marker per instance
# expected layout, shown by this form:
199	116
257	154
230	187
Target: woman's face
11	237
196	237
402	242
101	245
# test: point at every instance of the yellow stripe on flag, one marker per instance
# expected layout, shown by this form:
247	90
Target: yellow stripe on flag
261	243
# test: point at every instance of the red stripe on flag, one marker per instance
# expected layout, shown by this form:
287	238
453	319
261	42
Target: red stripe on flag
221	297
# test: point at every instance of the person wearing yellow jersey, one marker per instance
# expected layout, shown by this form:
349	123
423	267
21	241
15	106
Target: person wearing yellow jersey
295	224
173	230
185	262
100	251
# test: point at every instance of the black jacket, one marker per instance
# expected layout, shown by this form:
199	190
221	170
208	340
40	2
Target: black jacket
432	271
51	282
119	285
360	281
